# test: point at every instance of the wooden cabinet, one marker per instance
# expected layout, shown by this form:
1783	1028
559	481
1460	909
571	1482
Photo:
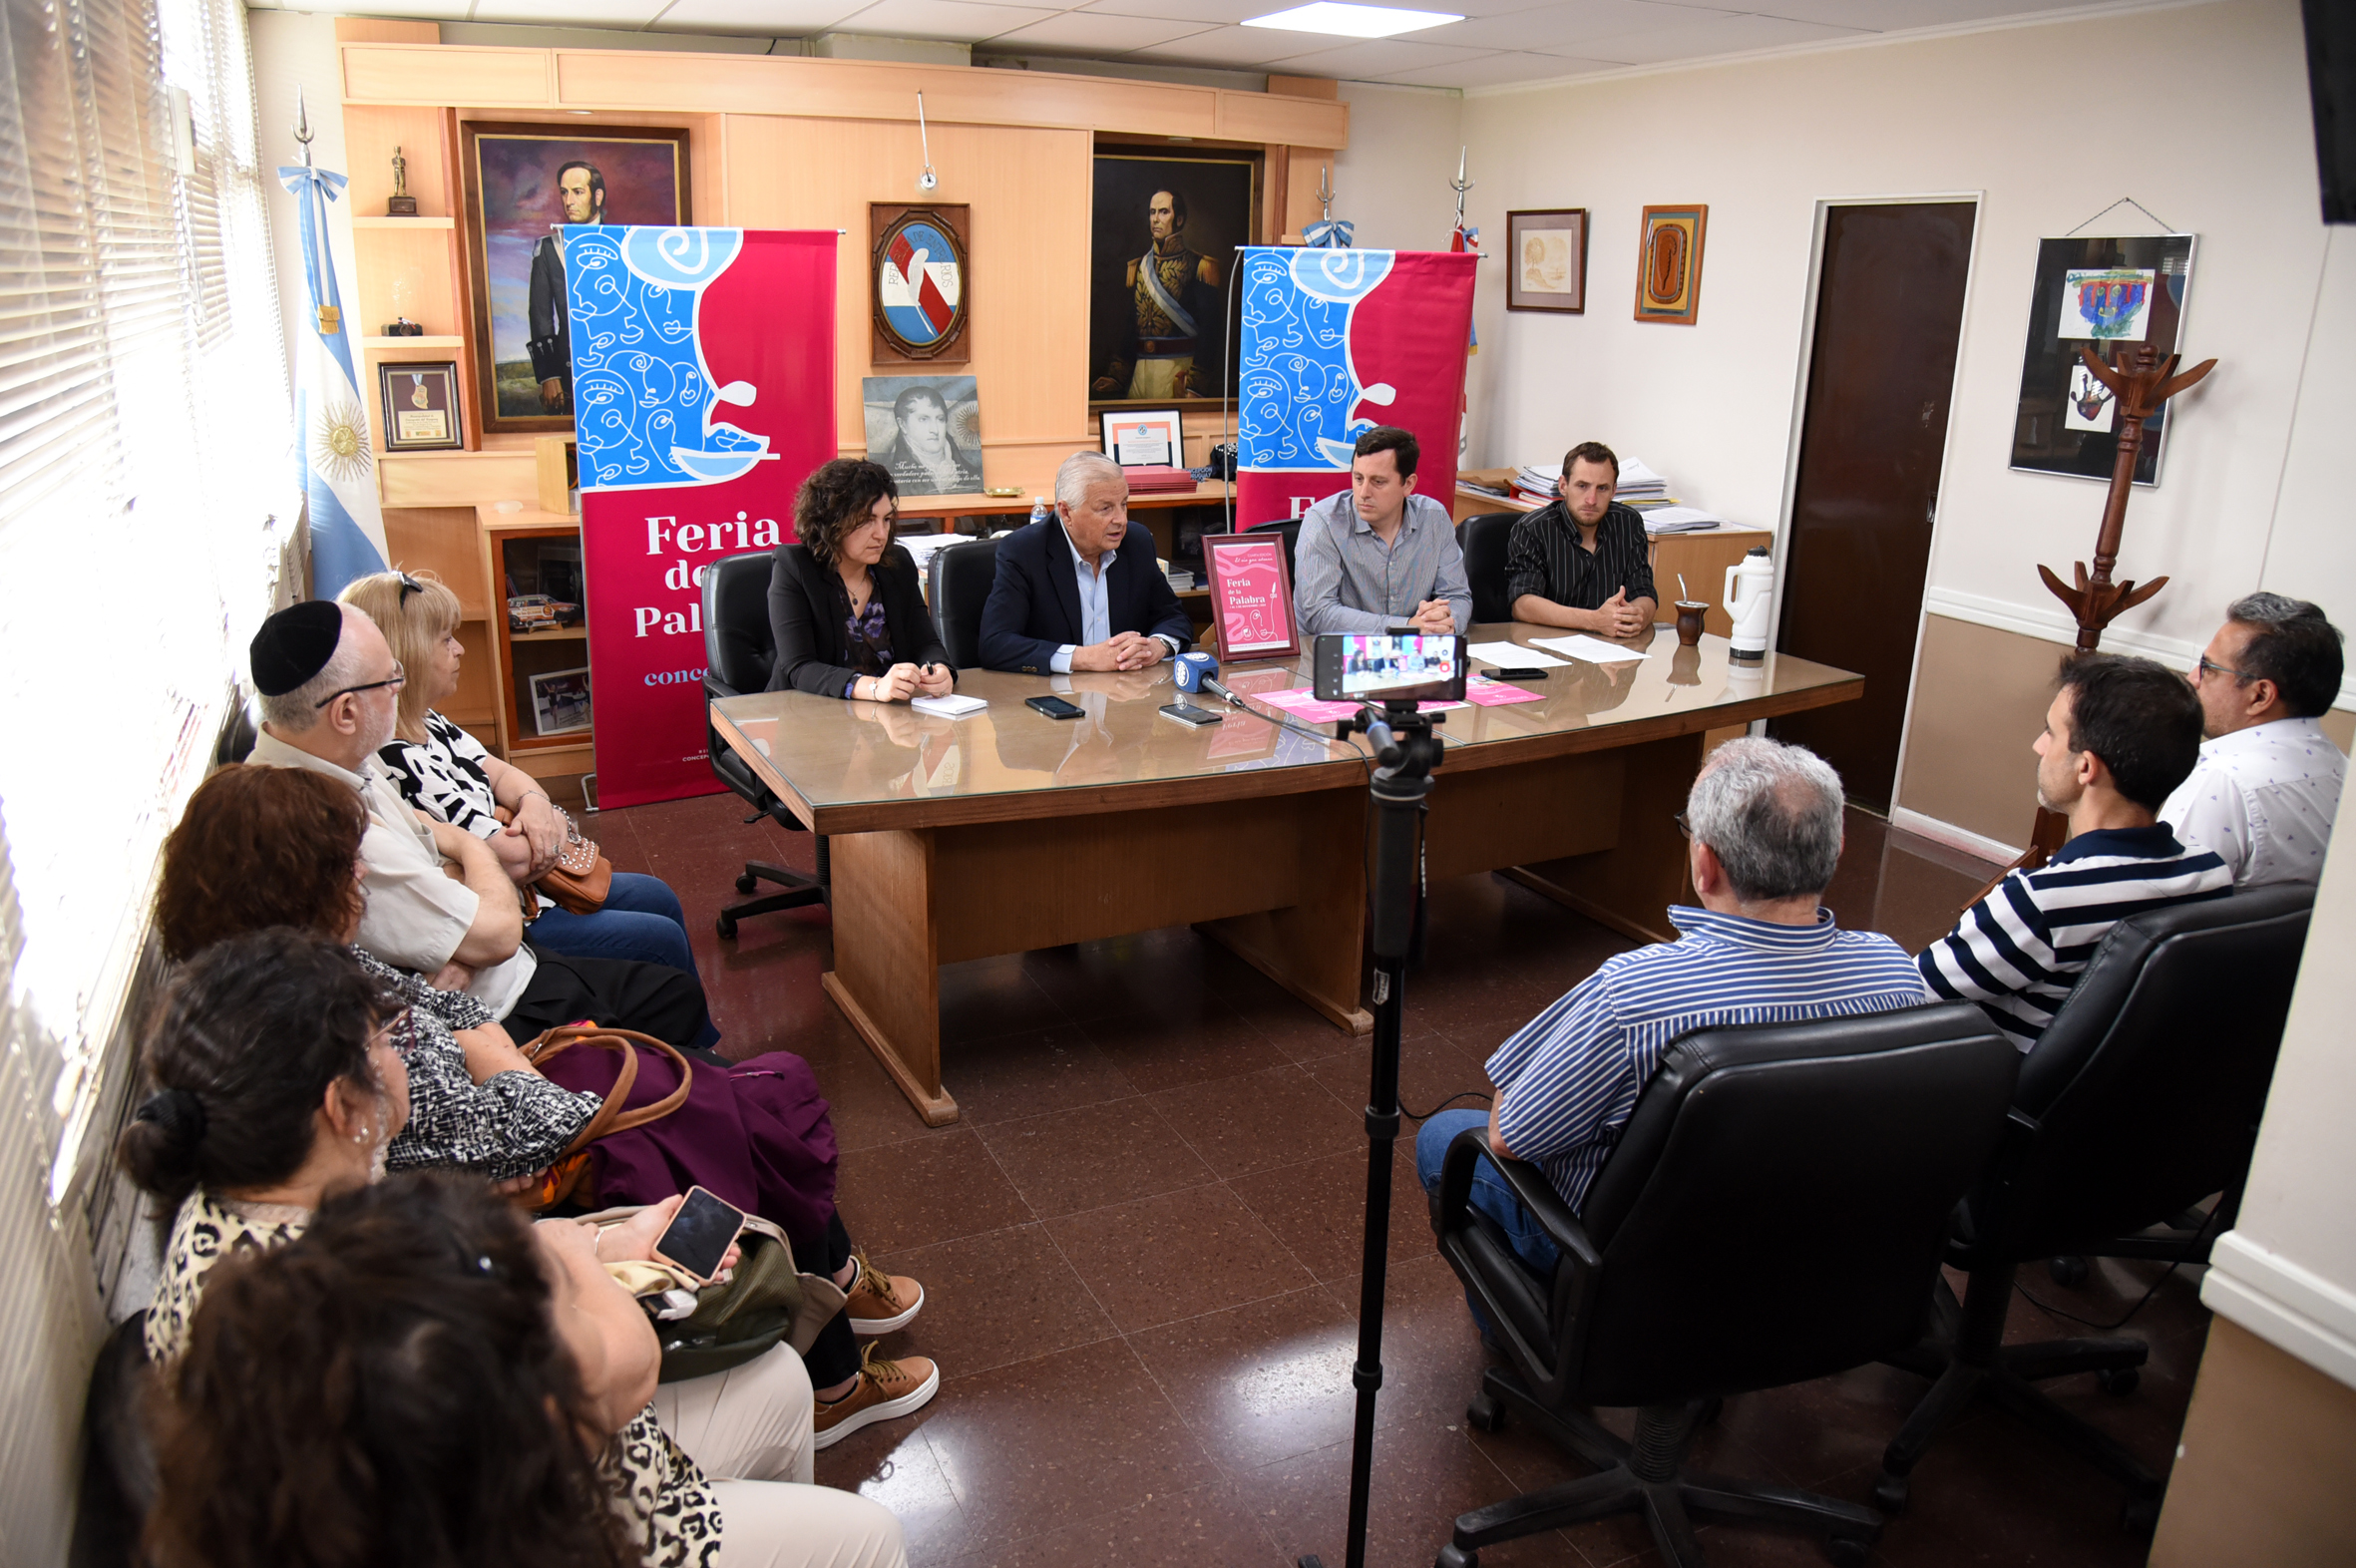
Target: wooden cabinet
539	640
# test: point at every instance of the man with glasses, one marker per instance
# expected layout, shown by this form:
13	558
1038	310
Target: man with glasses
1764	830
330	692
2268	781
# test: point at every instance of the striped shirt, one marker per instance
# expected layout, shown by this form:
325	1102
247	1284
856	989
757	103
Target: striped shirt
1345	578
1543	556
2019	951
1570	1078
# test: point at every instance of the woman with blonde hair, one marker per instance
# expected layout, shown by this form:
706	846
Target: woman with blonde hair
445	773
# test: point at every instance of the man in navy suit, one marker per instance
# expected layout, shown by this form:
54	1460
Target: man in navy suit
1081	590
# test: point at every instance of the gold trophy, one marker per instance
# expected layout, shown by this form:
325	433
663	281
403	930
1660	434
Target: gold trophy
400	203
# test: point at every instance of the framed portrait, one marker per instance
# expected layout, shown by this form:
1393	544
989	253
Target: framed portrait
523	184
1251	595
926	430
1669	264
1142	437
2117	297
917	282
1161	248
561	701
420	405
1547	253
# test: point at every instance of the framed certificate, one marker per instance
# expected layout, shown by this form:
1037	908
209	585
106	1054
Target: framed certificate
1144	437
1251	595
420	406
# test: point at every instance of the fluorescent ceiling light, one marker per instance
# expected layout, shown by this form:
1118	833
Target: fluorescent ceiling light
1352	21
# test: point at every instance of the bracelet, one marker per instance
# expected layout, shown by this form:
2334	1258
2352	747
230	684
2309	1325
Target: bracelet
597	1240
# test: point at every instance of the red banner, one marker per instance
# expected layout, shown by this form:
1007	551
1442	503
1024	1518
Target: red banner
703	388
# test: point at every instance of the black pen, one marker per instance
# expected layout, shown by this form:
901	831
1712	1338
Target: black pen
1515	674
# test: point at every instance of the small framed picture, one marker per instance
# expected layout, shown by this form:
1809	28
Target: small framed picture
1548	252
1142	437
1251	595
561	701
1669	264
420	405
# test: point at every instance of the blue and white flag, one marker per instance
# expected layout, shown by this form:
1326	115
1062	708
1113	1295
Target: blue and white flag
334	457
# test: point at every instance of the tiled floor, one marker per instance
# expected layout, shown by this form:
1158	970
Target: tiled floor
1141	1247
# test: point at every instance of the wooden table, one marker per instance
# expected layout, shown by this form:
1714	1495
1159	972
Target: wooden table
956	839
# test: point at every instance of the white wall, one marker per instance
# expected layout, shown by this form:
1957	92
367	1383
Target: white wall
2221	145
1392	182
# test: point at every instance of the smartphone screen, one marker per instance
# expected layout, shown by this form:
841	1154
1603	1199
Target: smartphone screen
1371	666
700	1234
1053	707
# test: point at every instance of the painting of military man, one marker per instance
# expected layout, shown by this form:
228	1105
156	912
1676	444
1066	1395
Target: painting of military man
1165	234
523	184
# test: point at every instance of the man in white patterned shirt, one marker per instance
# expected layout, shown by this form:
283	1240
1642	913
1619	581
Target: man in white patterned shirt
2268	781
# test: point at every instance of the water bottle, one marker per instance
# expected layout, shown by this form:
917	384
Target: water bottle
1039	510
1750	602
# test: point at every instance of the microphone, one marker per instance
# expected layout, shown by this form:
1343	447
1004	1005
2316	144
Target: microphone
1200	672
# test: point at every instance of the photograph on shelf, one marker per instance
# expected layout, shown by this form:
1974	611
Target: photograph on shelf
1142	437
1547	256
919	282
926	430
1669	264
523	182
561	701
2112	296
1163	238
420	405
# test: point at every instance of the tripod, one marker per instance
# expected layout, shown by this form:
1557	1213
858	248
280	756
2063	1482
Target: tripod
1405	751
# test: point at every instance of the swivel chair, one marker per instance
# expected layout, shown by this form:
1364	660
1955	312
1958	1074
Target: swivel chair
1290	530
1484	540
1772	1213
958	581
738	657
2141	1099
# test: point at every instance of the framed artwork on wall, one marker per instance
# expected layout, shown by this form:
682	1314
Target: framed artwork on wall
420	404
1669	264
919	287
1251	595
926	430
1546	252
1162	243
2117	297
523	184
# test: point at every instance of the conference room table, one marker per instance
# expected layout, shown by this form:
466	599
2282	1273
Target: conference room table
1008	831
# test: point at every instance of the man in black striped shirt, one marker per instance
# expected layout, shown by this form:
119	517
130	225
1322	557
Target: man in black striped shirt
1583	561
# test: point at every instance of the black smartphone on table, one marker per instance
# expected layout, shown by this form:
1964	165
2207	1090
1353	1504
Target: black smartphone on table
700	1233
1187	713
1379	666
1053	707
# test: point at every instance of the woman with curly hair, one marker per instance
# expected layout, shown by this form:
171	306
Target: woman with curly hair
425	1378
845	608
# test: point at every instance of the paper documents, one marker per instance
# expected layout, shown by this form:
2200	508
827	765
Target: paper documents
1510	655
950	706
1592	650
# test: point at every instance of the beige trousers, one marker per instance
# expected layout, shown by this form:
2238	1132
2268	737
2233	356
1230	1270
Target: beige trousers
748	1428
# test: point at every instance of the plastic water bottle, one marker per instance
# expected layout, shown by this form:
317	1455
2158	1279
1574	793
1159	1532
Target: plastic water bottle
1039	510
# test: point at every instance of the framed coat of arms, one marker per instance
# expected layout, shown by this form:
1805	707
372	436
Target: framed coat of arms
919	282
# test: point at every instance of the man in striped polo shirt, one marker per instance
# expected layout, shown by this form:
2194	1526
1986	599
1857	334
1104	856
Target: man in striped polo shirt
2121	734
1765	824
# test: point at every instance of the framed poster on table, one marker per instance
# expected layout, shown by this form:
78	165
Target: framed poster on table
1144	437
1251	595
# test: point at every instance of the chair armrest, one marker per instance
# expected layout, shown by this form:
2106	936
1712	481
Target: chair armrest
714	687
1526	1182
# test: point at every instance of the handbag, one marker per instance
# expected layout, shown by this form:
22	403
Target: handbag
764	1302
581	878
569	1176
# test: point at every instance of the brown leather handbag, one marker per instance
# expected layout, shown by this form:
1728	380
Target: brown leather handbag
581	877
564	1179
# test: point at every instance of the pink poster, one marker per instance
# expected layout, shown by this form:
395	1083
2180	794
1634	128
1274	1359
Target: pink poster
1251	595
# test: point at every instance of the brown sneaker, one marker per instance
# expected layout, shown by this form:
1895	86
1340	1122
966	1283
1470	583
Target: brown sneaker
879	1302
886	1388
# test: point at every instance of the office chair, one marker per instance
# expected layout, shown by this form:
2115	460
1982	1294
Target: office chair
1484	540
1772	1213
738	657
2141	1099
957	585
1289	528
118	1481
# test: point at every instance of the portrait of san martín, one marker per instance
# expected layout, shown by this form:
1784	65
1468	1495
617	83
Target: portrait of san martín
1164	239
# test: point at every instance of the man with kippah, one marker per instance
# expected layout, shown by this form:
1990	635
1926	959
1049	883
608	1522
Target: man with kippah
330	691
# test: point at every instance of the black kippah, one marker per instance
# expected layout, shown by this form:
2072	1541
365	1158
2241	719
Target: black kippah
295	644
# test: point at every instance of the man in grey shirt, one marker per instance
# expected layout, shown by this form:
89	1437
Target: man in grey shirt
1378	555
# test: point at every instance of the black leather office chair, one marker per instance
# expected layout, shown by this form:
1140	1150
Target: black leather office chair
957	584
738	657
117	1484
1772	1213
1289	528
2141	1099
1484	540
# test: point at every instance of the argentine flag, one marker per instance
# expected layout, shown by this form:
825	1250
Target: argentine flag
334	457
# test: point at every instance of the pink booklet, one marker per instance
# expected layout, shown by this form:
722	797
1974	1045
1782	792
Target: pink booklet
1484	693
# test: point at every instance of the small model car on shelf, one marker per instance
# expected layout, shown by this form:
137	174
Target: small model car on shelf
538	611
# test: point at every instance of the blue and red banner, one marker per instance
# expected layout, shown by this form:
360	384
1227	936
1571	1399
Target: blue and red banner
1333	343
703	384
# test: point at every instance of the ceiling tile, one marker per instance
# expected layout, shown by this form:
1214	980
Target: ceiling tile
1366	59
1883	16
405	10
1204	12
1704	36
756	18
569	13
1584	24
1104	33
1498	70
961	20
1240	47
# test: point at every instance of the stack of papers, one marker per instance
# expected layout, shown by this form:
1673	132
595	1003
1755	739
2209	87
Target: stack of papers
1535	481
1592	650
923	546
1639	486
1511	656
1670	518
1157	476
1639	483
1180	579
950	706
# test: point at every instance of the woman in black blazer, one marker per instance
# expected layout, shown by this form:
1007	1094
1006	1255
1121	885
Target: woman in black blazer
845	608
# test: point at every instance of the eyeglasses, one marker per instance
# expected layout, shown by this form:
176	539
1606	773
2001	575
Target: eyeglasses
398	676
2209	667
1683	826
